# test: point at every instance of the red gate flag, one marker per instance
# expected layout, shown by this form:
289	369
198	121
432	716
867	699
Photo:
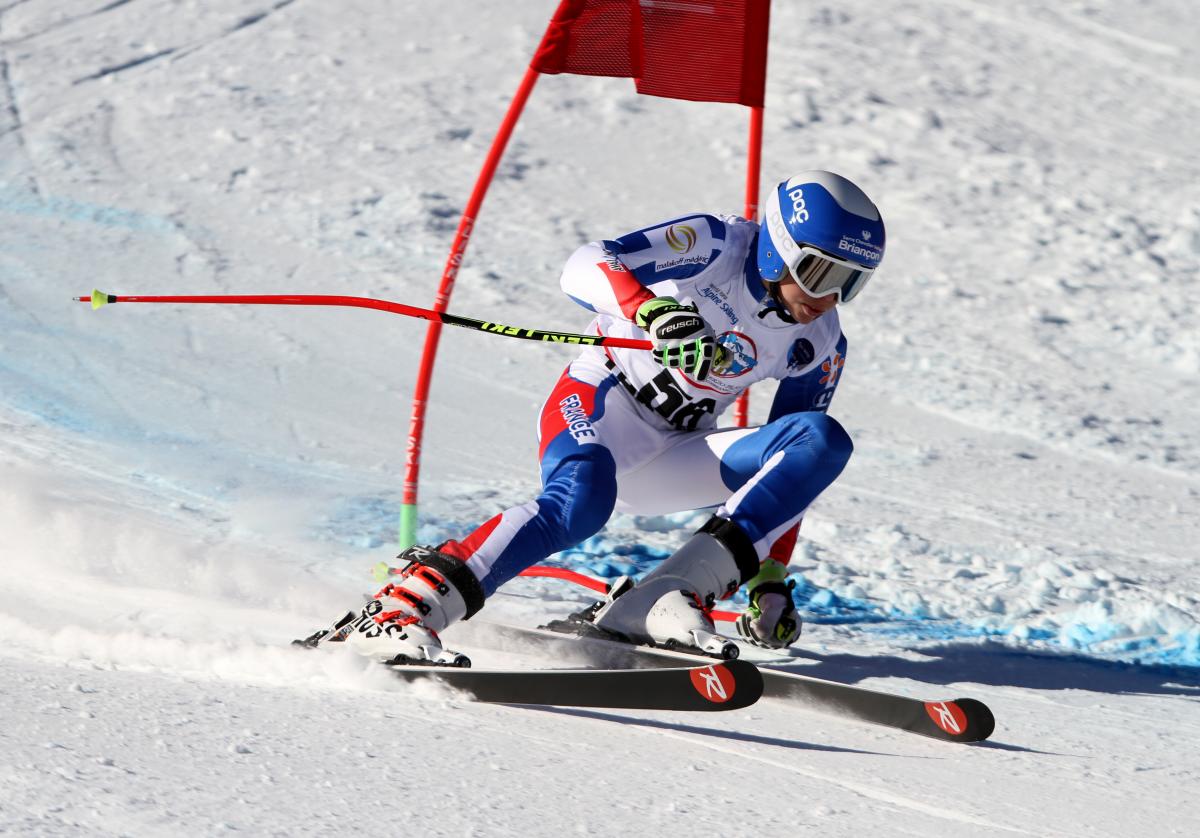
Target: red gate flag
702	50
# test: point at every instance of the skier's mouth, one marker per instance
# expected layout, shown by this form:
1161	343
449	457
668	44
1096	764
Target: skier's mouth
810	312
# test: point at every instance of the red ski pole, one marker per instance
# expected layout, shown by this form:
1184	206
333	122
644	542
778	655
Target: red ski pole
99	298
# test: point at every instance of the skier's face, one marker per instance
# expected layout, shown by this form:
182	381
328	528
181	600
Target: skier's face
804	307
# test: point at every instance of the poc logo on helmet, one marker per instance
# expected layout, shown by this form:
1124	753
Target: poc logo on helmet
799	212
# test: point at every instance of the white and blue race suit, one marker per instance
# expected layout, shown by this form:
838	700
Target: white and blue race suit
621	432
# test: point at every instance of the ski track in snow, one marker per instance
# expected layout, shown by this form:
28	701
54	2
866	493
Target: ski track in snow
876	795
184	491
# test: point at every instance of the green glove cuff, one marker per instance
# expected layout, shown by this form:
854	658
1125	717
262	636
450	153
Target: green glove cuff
769	571
651	309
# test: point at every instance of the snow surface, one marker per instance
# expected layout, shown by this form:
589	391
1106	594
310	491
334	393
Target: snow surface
184	490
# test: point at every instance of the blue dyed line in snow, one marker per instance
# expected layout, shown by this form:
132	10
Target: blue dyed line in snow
23	203
370	522
821	606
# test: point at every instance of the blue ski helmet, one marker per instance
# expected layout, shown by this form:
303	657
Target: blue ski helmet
824	231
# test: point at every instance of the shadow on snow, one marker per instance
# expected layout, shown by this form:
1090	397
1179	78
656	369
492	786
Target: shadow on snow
998	665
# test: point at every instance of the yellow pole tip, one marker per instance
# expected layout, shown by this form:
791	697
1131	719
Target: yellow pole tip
380	572
99	298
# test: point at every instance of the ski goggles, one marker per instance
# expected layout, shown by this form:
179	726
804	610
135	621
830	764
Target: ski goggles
820	274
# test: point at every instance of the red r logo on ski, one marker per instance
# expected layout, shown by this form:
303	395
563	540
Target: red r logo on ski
715	683
948	716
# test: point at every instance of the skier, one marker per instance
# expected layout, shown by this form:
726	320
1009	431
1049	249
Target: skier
726	302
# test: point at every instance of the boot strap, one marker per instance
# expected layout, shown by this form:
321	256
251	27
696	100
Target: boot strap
455	572
736	541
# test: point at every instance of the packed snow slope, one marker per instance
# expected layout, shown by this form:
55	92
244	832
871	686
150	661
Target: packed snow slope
183	490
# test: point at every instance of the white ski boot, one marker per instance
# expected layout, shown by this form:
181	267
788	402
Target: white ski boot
401	624
670	606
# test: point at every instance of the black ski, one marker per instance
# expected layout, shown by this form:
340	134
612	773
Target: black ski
957	720
686	685
728	685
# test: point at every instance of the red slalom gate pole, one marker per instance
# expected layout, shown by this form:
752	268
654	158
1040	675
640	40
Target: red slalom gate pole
416	429
607	40
741	407
599	585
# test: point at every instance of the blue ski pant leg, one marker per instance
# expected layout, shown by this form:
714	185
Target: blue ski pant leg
579	489
779	470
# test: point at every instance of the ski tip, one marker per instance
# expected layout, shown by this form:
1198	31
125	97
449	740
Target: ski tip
980	721
961	720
